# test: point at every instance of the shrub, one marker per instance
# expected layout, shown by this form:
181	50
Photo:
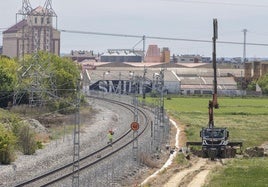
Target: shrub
180	159
26	140
66	108
39	145
7	144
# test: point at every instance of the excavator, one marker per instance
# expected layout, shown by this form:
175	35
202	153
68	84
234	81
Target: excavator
215	143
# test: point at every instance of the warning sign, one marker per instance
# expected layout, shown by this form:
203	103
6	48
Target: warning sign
134	126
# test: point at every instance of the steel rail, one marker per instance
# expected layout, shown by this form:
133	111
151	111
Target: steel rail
57	170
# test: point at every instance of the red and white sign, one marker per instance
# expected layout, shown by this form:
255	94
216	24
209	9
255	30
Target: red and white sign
134	126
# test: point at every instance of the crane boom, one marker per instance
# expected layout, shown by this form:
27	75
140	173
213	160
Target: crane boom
214	103
215	143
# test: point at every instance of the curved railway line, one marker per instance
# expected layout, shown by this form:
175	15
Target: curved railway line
91	159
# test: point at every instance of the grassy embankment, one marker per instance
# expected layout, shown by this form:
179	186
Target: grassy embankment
246	120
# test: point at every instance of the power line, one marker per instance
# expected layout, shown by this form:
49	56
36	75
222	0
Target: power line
219	3
159	38
101	33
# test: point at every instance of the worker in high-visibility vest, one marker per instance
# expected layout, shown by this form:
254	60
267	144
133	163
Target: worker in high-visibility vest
110	136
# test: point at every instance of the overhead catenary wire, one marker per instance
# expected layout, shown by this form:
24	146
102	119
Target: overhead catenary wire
159	37
219	3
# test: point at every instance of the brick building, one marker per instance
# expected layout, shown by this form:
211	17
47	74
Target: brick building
33	33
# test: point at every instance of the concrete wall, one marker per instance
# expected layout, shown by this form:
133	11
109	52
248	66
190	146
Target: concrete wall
256	69
248	71
264	69
10	45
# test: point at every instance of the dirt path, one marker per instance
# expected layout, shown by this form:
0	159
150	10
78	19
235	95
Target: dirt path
193	175
179	178
199	179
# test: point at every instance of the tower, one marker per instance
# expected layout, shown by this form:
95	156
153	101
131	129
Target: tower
35	29
35	33
38	32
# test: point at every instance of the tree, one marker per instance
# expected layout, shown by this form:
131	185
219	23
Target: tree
263	83
8	80
66	73
55	77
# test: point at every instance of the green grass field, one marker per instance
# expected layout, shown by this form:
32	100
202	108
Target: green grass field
246	120
241	173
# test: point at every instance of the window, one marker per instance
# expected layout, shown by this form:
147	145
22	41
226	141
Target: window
35	20
42	20
48	21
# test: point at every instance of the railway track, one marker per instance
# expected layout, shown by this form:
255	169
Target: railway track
90	159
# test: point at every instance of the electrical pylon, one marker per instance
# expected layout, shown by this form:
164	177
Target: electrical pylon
36	35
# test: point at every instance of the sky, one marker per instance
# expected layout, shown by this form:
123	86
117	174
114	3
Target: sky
183	19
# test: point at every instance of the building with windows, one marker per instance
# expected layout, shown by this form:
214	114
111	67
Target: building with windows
121	55
33	33
189	59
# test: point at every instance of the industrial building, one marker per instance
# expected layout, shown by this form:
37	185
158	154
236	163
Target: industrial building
121	55
188	58
255	69
178	79
82	55
155	55
35	32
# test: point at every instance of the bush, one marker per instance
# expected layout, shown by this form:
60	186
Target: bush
53	105
39	145
7	144
66	107
181	160
26	140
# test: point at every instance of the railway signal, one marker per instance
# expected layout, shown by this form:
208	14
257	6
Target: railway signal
134	126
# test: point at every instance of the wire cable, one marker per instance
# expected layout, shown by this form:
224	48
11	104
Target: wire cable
160	38
219	3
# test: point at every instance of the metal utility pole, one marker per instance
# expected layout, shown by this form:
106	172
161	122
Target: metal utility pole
76	142
119	86
143	83
162	112
159	127
143	49
244	51
135	124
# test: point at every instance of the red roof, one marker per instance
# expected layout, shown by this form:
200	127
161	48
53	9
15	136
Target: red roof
16	27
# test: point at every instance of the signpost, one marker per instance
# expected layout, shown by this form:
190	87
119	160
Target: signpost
134	126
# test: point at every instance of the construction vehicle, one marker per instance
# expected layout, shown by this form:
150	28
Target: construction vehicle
215	143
